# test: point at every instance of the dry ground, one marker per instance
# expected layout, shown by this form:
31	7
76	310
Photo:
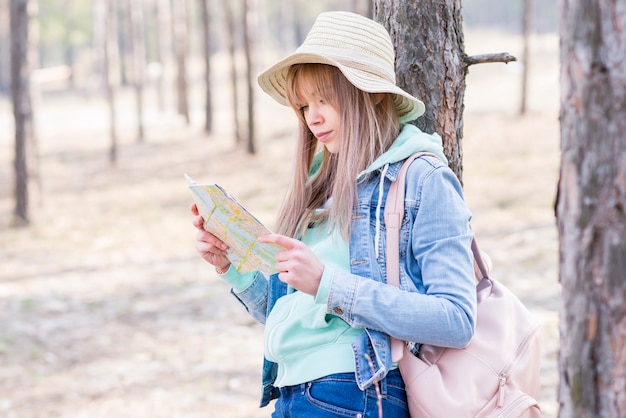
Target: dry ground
107	311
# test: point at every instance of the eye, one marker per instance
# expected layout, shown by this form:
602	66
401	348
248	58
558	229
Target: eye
304	108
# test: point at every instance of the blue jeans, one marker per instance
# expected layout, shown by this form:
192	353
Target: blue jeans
338	395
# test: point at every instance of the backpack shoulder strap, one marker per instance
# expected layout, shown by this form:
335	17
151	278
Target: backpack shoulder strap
394	212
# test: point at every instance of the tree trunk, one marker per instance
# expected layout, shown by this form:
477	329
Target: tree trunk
139	61
124	38
110	69
230	39
68	43
5	71
286	26
164	23
591	209
527	28
206	43
22	106
249	20
430	64
181	45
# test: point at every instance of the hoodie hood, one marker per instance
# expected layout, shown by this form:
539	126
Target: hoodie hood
410	141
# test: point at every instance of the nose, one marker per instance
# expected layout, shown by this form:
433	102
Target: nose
313	116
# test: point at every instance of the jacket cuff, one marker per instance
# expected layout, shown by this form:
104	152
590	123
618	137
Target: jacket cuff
342	295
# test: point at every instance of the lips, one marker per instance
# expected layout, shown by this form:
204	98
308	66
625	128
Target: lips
322	136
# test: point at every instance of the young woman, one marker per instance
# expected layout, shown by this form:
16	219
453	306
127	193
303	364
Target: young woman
328	313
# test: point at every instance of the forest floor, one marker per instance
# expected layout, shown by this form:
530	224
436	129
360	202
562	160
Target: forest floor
107	311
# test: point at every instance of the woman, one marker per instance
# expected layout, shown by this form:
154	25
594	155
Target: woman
328	313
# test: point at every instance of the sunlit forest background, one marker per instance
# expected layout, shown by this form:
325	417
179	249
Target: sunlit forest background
105	308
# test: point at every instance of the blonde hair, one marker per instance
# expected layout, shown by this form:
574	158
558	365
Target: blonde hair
369	125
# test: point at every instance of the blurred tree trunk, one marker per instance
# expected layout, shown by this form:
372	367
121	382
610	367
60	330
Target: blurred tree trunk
139	60
97	41
430	64
249	21
591	209
110	67
206	42
231	41
5	72
286	12
181	46
124	38
527	28
22	104
68	12
362	7
164	23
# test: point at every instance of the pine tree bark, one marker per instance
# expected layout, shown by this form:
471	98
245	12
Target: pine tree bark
428	37
591	209
22	105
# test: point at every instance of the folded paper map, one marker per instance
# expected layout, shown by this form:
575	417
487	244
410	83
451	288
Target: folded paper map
229	221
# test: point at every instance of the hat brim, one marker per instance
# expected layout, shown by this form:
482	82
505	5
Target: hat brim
273	82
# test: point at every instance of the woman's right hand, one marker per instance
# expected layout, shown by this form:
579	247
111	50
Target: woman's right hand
211	248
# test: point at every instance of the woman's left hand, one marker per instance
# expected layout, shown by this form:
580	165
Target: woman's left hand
297	265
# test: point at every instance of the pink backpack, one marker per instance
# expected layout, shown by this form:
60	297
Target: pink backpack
497	374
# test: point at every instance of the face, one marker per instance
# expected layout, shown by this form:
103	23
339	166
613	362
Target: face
323	120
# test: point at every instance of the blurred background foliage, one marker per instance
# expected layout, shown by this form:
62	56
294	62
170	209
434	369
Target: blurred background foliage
66	28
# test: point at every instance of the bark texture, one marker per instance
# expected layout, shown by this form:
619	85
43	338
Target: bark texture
428	37
22	104
591	209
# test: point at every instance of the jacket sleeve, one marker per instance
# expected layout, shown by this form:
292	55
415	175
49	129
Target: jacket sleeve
442	310
251	289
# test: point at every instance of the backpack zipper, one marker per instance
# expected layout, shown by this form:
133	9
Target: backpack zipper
504	374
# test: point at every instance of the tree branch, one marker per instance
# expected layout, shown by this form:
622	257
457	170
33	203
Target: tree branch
504	57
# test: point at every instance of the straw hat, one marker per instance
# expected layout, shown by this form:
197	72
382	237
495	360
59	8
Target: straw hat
359	47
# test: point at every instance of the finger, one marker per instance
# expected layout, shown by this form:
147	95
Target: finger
208	237
283	241
198	222
210	248
194	209
283	266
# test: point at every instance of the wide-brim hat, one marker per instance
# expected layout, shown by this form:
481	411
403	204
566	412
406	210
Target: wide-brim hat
359	47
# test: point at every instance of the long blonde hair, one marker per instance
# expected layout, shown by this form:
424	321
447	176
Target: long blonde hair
369	126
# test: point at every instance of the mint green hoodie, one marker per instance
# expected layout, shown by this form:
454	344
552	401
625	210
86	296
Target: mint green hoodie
300	336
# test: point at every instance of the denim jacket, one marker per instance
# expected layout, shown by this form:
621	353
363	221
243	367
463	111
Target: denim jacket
437	301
